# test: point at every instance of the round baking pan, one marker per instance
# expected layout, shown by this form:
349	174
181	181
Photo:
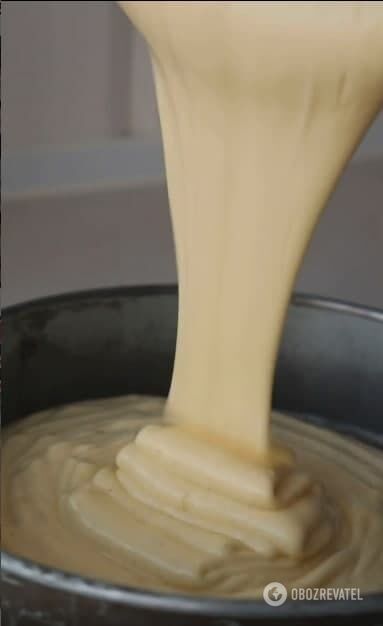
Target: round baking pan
119	341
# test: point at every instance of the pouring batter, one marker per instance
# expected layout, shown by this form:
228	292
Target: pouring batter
261	106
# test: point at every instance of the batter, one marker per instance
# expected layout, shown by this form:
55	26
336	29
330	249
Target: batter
261	106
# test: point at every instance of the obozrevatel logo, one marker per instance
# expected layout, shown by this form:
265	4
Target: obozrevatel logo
275	594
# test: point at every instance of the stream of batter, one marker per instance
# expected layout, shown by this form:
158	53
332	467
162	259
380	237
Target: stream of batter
261	106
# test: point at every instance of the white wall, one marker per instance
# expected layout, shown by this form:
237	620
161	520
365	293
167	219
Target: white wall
95	213
68	69
62	242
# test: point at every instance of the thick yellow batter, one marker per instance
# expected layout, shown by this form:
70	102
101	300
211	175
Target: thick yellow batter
261	106
82	496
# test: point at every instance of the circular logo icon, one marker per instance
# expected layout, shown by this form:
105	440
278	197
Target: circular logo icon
275	594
